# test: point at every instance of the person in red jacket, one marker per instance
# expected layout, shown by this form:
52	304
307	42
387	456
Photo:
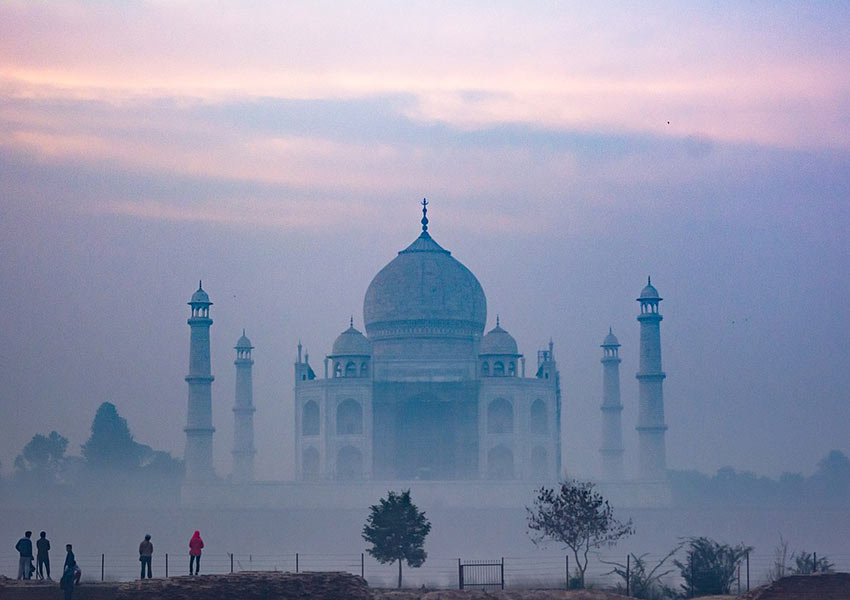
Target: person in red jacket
195	545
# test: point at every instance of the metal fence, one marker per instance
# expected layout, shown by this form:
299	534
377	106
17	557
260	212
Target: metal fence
539	570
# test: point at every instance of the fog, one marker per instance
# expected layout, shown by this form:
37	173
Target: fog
279	154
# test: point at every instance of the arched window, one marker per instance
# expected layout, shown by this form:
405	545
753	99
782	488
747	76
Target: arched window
539	463
512	369
349	463
349	418
539	418
500	463
310	463
485	369
351	369
337	369
498	369
310	419
364	369
500	416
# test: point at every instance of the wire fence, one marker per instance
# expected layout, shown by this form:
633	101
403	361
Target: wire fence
540	570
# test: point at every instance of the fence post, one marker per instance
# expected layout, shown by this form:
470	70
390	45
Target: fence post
231	562
459	575
166	565
628	574
567	569
296	562
748	571
102	566
362	566
503	572
814	562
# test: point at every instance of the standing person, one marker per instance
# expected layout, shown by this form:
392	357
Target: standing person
195	546
146	555
42	555
24	548
69	572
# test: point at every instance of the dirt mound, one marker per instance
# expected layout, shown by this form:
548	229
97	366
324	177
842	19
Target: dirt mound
495	595
249	586
820	586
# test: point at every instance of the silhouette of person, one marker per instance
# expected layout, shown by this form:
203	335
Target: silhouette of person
43	555
146	555
24	548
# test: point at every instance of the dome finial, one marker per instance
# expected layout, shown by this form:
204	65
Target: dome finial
200	284
497	320
424	215
648	280
351	321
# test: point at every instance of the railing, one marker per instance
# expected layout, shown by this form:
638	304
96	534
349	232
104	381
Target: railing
540	570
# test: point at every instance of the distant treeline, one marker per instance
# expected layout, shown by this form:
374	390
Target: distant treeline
112	468
829	485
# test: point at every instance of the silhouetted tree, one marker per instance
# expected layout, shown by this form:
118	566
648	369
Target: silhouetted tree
111	444
709	567
397	529
43	457
805	564
577	516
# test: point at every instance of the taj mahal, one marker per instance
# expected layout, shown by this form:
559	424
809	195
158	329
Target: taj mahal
424	399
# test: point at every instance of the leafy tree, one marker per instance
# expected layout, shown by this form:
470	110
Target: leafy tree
709	568
643	582
397	530
577	516
43	456
111	444
805	563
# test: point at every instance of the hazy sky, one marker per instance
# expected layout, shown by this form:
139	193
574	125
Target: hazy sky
279	152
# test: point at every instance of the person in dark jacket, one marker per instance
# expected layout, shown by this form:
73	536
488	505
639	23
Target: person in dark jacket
43	555
146	555
69	573
195	546
24	548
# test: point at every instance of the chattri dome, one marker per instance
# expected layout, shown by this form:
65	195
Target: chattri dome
351	343
499	341
424	290
610	339
200	296
244	342
649	292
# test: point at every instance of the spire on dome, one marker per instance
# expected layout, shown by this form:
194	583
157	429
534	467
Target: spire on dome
497	320
424	220
351	321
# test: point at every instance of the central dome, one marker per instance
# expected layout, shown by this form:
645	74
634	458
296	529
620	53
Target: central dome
424	291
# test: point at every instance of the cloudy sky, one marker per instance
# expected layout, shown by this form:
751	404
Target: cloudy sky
279	152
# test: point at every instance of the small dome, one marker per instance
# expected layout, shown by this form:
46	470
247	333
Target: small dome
649	292
498	341
610	339
244	342
352	343
200	297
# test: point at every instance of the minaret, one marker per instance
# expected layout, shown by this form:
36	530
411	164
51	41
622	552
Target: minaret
612	429
243	414
199	430
651	450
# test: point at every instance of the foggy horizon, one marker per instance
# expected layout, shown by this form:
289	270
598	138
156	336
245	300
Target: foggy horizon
705	148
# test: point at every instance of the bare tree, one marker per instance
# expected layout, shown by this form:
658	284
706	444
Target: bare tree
577	516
